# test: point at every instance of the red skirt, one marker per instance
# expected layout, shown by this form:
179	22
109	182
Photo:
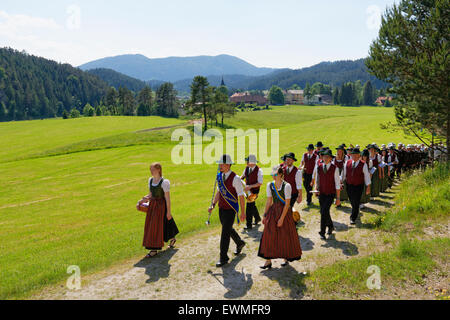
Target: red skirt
280	243
157	228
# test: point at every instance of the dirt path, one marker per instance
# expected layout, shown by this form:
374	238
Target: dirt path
189	272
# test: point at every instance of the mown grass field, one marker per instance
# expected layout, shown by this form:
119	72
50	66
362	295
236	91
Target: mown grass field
69	187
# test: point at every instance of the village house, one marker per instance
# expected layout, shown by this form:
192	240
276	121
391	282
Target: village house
247	98
293	97
382	100
319	99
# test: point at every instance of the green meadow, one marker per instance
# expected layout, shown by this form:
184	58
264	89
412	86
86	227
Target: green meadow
69	187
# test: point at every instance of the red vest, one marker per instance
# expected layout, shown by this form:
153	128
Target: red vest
310	164
291	178
339	164
375	161
327	184
355	176
229	184
252	179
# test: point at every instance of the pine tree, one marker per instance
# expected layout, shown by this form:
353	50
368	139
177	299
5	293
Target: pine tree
368	98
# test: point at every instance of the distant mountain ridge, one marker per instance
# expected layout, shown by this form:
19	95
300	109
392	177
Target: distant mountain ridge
173	69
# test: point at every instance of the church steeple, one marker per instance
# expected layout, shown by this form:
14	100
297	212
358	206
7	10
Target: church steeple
223	83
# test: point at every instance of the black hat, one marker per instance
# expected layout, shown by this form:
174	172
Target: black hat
327	152
319	144
355	151
365	153
291	155
283	158
341	147
310	147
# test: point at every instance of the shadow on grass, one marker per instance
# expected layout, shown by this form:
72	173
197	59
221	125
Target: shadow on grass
288	278
157	267
238	283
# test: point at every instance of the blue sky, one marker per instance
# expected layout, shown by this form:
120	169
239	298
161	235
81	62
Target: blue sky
282	33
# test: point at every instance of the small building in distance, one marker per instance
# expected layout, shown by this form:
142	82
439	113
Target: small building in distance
382	100
319	99
294	97
247	98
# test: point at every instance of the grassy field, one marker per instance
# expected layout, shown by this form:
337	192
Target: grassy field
69	187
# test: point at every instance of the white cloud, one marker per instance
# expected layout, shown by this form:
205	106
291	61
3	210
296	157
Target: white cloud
11	24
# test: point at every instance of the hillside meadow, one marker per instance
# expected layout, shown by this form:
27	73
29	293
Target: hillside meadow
69	187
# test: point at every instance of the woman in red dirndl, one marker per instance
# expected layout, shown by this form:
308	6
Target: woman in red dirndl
160	226
280	239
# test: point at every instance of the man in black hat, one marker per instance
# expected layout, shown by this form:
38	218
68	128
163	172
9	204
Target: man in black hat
253	177
328	184
293	176
229	196
319	147
308	164
355	175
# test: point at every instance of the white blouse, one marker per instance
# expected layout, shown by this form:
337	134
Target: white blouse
287	191
165	185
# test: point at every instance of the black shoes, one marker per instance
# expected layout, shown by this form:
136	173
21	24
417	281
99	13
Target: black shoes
221	264
352	222
322	236
257	222
330	231
247	228
239	249
285	264
268	266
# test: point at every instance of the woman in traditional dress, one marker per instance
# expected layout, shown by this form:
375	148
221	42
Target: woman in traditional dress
365	198
160	226
280	239
375	157
339	161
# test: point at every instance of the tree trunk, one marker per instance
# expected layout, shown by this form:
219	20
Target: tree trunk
206	119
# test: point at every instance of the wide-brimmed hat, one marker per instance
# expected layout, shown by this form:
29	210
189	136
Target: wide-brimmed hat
291	155
365	153
355	151
283	158
327	152
310	147
319	144
225	159
275	170
341	147
251	159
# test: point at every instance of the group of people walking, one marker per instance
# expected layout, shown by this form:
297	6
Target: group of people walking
352	175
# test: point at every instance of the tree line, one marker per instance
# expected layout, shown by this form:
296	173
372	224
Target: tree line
36	88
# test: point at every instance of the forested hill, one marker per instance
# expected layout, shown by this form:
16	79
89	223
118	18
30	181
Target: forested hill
117	79
332	73
33	87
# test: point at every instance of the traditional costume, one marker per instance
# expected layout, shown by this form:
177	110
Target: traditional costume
328	184
279	242
355	175
340	163
252	176
375	171
309	163
293	176
158	229
230	188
